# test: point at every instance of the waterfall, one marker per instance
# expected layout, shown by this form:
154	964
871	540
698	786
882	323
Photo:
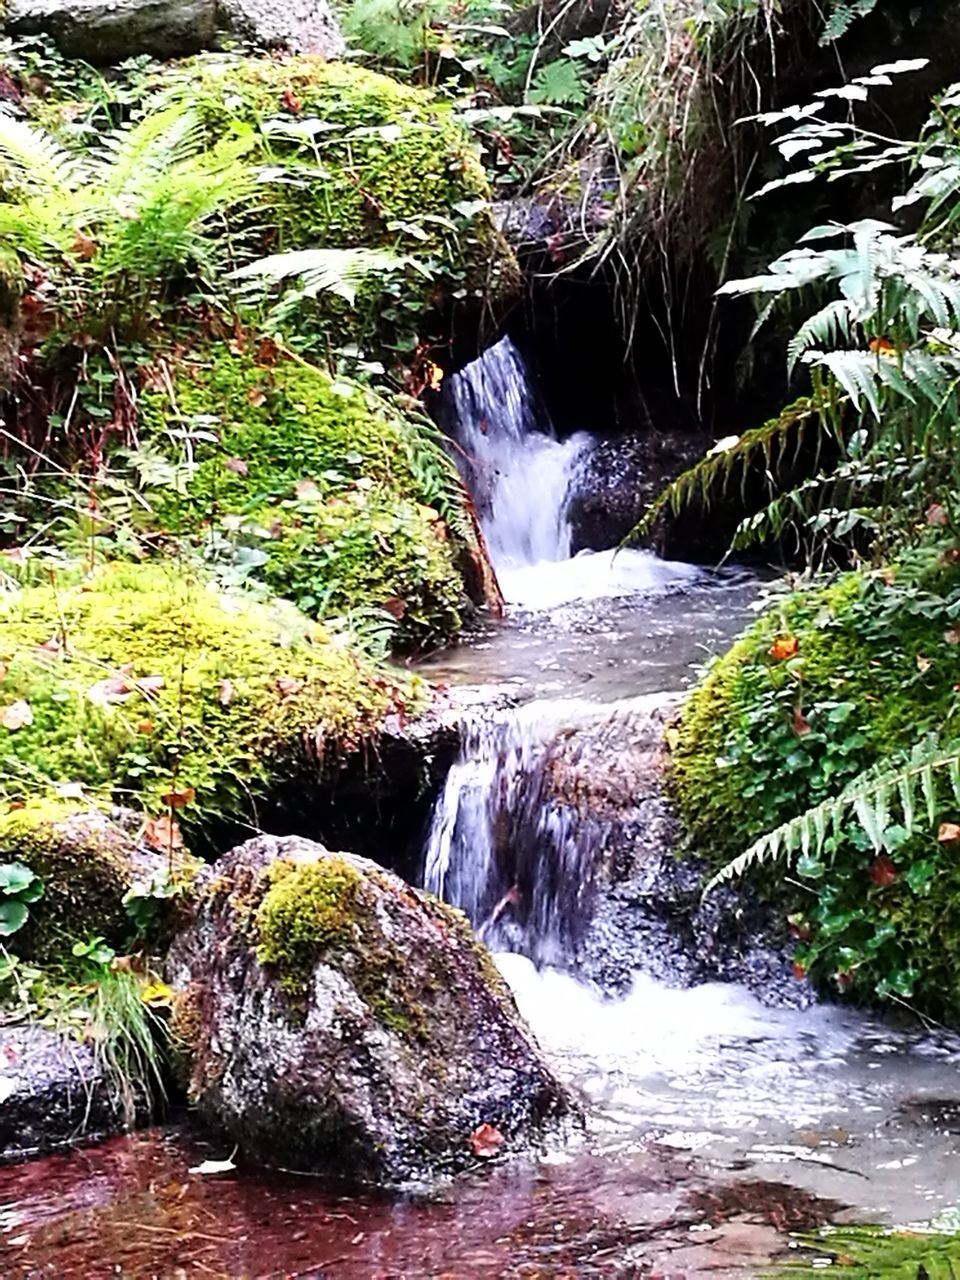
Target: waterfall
519	473
522	479
504	845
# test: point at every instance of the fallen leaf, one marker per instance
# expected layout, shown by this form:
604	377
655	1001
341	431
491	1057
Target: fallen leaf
883	347
923	664
179	799
784	647
157	994
211	1167
799	971
486	1141
291	101
107	692
434	375
144	726
237	466
952	635
307	490
84	247
949	832
162	834
395	607
937	515
801	724
225	693
288	686
17	716
256	396
150	684
882	871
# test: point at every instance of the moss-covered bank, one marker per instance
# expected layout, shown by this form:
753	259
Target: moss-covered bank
831	680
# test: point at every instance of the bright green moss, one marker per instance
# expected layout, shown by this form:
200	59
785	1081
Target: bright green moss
325	912
141	680
308	914
325	491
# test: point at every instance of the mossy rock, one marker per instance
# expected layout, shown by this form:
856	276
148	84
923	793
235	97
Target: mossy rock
393	169
333	1019
140	682
832	680
88	861
320	488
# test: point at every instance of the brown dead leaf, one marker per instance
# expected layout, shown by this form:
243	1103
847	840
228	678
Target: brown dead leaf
84	247
162	834
395	607
949	832
225	693
937	515
291	101
882	870
801	724
486	1141
256	396
145	726
237	466
288	686
16	716
179	798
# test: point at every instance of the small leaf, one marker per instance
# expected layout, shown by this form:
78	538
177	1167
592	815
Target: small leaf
486	1141
13	915
18	715
179	799
157	995
949	832
784	647
225	692
237	466
162	834
937	515
882	871
210	1168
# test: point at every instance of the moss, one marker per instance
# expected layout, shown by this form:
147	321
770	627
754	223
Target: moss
390	152
325	912
142	680
84	861
322	489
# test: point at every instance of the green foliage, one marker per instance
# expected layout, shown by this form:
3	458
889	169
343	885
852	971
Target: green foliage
868	1252
400	33
559	84
317	488
19	887
801	741
105	225
841	16
141	681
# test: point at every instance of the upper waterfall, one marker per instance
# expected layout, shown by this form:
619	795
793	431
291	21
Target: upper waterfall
522	479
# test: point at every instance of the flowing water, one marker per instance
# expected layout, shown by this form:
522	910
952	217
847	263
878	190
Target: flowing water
713	1122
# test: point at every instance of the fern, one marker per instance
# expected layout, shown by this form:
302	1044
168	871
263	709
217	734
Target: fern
336	271
908	787
842	16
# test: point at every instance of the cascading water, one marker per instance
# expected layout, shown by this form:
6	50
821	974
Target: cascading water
501	845
522	479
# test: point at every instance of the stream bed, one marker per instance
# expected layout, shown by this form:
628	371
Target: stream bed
714	1125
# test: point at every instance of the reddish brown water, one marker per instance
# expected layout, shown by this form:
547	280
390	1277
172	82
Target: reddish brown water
131	1208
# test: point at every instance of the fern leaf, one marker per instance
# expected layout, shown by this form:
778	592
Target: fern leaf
38	162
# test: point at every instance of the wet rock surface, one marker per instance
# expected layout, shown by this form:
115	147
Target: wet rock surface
374	1045
105	31
52	1093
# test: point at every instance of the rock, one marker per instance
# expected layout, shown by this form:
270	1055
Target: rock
52	1092
107	31
618	480
88	860
336	1020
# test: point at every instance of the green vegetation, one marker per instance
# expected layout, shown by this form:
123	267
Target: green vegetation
139	682
317	488
927	1252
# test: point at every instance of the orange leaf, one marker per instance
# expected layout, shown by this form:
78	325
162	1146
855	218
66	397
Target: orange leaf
882	347
291	101
145	726
949	832
799	972
17	716
486	1141
256	396
434	375
84	247
784	647
395	607
162	834
179	799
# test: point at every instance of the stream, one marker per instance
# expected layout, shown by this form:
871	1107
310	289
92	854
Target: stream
714	1124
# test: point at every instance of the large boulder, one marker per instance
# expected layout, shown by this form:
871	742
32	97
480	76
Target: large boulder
334	1019
106	31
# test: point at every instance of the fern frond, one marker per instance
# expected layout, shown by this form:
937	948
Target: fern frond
868	797
149	147
337	271
38	163
878	1251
